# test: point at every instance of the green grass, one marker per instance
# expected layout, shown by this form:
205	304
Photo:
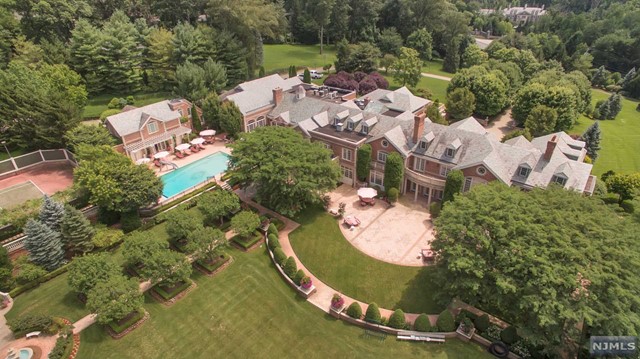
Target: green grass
54	297
437	87
620	138
280	57
247	242
435	67
97	104
247	311
322	248
14	153
119	328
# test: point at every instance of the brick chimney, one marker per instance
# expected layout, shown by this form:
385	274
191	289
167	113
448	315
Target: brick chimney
418	126
366	101
551	146
277	95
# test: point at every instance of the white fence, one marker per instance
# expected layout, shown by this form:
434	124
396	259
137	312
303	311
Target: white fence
27	160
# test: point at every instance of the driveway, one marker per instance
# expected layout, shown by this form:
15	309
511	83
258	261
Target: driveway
390	234
502	125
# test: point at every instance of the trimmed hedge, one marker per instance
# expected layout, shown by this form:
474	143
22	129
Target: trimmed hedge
273	242
445	322
279	256
422	323
482	322
354	310
31	323
119	328
170	295
272	229
290	267
47	277
165	206
247	243
373	314
222	259
396	320
509	335
298	276
63	347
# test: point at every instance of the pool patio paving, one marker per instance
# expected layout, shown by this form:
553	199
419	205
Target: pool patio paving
217	146
391	234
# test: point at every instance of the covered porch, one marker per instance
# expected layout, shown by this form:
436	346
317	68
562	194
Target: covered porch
166	141
423	188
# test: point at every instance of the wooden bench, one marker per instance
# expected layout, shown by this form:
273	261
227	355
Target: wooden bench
32	335
420	336
375	334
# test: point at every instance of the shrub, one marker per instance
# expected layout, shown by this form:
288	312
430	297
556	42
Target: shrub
107	217
359	76
482	322
30	323
106	237
354	310
509	335
396	320
290	267
367	85
298	276
445	322
272	229
62	343
610	198
29	272
422	323
373	313
273	242
392	195
628	206
130	221
106	113
434	209
279	256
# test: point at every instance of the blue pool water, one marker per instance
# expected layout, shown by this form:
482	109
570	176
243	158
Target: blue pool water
194	173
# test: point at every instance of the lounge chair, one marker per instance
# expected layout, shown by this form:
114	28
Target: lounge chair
194	149
200	146
157	164
179	154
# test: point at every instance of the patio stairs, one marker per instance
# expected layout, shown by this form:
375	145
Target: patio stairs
226	186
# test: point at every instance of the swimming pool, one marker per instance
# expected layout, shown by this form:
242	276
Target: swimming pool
194	173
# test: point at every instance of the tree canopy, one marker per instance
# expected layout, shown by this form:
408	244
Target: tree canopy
87	271
114	298
214	205
512	261
289	172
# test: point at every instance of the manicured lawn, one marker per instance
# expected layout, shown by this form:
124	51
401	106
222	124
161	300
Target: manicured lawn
98	104
435	67
14	153
324	251
278	58
620	138
436	86
54	297
246	311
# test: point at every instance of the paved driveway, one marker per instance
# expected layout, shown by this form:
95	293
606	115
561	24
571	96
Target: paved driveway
391	234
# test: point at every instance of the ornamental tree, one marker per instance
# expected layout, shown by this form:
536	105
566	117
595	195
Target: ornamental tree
460	103
87	271
408	67
214	205
587	263
592	137
44	245
393	171
139	245
51	213
363	163
180	223
113	181
195	118
453	185
245	223
88	135
289	172
114	299
166	267
230	118
421	41
77	232
306	77
205	243
624	185
541	120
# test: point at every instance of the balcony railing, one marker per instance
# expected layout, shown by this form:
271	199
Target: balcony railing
378	166
424	179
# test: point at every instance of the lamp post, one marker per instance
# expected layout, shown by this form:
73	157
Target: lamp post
4	143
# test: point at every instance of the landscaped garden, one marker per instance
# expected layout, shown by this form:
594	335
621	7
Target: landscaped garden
97	104
620	142
278	58
322	248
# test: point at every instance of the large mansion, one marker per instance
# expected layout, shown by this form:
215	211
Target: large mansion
394	121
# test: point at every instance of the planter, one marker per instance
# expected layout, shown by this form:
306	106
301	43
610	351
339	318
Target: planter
465	333
306	285
307	292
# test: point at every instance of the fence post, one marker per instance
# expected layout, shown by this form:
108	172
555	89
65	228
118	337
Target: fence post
66	154
41	155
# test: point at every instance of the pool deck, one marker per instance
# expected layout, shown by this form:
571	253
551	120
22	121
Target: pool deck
181	162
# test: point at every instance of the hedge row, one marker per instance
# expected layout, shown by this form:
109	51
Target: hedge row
23	288
170	295
121	327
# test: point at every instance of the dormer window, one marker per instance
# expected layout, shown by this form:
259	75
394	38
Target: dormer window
365	129
423	145
336	121
559	179
152	127
523	171
450	152
350	125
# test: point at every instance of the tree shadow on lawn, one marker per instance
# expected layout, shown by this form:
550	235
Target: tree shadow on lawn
421	294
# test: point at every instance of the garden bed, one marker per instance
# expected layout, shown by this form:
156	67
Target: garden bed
124	326
169	296
216	266
249	243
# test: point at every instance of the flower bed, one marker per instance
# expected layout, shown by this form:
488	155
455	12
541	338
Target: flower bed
217	263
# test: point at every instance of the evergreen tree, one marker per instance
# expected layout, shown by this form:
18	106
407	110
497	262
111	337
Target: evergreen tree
51	213
76	231
452	59
44	245
195	118
232	54
600	77
261	72
603	110
231	119
215	75
363	164
339	21
453	186
211	110
628	77
292	71
306	78
592	137
393	171
615	105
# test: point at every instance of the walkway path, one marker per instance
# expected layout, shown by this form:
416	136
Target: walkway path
324	293
6	335
434	76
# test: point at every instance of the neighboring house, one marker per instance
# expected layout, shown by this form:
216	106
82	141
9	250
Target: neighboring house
152	128
519	15
394	121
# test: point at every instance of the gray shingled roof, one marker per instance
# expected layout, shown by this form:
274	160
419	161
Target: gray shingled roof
253	95
131	121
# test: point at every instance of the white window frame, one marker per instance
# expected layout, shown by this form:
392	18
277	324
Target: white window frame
189	111
384	143
419	164
450	152
526	170
444	170
347	172
376	178
382	156
481	171
350	125
153	125
255	123
347	154
561	180
468	181
365	129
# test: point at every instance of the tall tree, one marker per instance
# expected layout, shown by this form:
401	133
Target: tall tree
408	67
473	56
158	58
339	21
322	16
232	54
592	137
122	52
363	163
50	19
453	185
140	245
214	205
88	135
87	271
393	171
215	75
114	299
211	110
206	243
76	231
541	120
390	41
191	82
193	44
421	41
231	119
44	245
460	103
289	173
492	248
51	213
180	223
363	19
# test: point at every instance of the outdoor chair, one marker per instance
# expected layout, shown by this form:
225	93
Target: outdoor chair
201	147
195	149
179	154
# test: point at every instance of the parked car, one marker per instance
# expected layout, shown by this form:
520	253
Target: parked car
314	74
